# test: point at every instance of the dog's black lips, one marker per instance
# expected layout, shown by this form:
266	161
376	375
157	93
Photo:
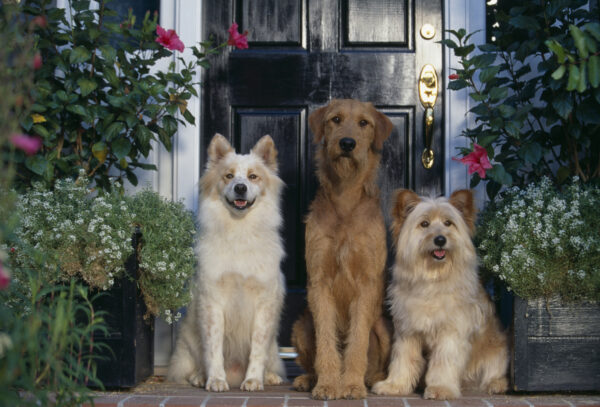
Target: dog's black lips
240	204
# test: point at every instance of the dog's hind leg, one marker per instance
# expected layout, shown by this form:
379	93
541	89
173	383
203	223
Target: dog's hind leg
275	370
185	364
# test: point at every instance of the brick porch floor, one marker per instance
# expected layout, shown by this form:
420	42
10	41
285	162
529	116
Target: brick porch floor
156	393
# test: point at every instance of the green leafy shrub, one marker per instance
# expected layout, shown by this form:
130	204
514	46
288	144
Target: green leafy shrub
99	99
543	242
86	234
47	344
536	93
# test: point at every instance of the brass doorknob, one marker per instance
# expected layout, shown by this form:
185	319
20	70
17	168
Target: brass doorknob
428	91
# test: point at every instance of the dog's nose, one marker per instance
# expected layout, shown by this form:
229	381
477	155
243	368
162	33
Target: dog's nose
347	144
240	189
439	241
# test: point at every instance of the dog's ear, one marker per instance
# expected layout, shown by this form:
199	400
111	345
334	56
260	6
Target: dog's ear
316	123
218	148
404	202
265	149
383	129
464	202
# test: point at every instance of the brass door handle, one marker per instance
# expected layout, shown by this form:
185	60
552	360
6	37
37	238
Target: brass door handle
428	91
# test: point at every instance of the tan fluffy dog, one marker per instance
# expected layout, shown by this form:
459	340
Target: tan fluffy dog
341	340
439	307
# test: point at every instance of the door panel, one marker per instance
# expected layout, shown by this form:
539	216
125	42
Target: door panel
302	54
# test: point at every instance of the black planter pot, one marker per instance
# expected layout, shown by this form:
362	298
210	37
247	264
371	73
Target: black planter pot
556	346
130	338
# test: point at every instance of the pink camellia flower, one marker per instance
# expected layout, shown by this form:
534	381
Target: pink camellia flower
37	61
169	39
236	39
453	76
26	143
4	277
477	161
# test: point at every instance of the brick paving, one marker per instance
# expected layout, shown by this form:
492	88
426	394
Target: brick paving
155	393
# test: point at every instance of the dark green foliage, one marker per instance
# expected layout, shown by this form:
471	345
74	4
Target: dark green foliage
101	98
536	92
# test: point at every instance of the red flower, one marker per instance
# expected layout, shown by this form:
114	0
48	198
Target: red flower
37	61
4	277
477	161
236	39
169	39
40	21
12	250
453	76
26	143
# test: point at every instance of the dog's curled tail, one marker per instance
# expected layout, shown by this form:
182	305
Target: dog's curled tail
185	360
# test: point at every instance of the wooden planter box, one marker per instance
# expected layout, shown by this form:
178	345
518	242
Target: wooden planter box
556	346
130	337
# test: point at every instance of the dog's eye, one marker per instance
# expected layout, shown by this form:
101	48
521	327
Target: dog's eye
336	119
363	123
229	176
448	223
252	176
424	224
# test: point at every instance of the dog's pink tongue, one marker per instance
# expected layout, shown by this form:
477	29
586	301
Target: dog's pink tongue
439	253
240	203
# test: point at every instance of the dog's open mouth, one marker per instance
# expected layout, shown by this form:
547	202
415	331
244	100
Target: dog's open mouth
240	204
439	254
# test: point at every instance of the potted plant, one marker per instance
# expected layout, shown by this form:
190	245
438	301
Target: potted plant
536	93
544	245
86	235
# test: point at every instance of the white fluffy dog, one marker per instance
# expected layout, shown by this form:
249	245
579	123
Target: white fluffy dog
229	335
439	307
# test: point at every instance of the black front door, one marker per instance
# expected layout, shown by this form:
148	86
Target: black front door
302	54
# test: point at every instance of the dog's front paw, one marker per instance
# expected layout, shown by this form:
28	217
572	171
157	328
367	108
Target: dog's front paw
197	380
354	391
499	385
388	388
215	384
326	391
272	379
440	393
303	382
252	384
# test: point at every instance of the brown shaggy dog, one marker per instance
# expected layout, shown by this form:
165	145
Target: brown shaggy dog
342	340
446	330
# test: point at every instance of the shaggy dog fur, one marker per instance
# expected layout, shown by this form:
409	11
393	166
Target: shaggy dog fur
438	304
342	341
229	333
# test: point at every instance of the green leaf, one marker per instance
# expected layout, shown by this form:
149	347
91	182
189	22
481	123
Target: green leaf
483	60
499	174
582	84
563	105
579	40
189	117
111	75
77	109
594	70
573	77
562	174
593	29
132	178
449	43
492	188
113	130
558	49
487	74
497	93
108	52
512	129
559	73
475	179
523	21
79	54
458	84
86	86
464	51
41	130
121	147
506	111
37	164
531	152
